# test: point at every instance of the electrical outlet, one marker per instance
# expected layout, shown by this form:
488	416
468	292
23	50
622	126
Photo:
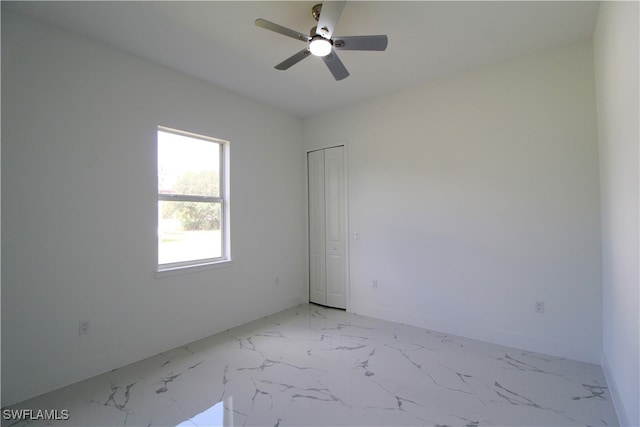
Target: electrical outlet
277	281
374	284
539	306
83	327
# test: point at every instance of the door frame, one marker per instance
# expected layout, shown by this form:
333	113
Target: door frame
347	275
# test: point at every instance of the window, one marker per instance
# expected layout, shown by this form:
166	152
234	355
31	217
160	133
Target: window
193	200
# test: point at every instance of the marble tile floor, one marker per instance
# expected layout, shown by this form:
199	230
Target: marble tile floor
311	365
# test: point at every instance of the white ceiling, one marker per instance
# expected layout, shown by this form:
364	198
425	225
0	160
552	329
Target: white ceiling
219	43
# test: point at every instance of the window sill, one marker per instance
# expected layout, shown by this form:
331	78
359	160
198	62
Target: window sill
187	269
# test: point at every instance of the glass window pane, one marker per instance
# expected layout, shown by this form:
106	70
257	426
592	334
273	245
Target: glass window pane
188	166
188	231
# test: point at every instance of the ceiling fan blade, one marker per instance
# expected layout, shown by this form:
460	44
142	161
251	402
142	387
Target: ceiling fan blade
361	43
282	30
293	59
329	15
336	66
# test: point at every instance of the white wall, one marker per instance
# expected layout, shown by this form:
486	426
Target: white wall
79	207
616	59
475	197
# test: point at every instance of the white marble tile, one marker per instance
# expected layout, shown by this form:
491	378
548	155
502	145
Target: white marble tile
316	366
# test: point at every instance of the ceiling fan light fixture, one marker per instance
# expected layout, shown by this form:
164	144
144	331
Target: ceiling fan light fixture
320	46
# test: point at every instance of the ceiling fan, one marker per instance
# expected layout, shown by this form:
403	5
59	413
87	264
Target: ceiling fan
320	40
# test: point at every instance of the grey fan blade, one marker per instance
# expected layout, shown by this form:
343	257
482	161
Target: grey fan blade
282	30
329	15
361	43
336	66
292	60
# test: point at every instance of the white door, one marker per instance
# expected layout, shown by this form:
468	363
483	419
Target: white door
327	265
317	281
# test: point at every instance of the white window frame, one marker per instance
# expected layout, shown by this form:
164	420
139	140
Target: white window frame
223	198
